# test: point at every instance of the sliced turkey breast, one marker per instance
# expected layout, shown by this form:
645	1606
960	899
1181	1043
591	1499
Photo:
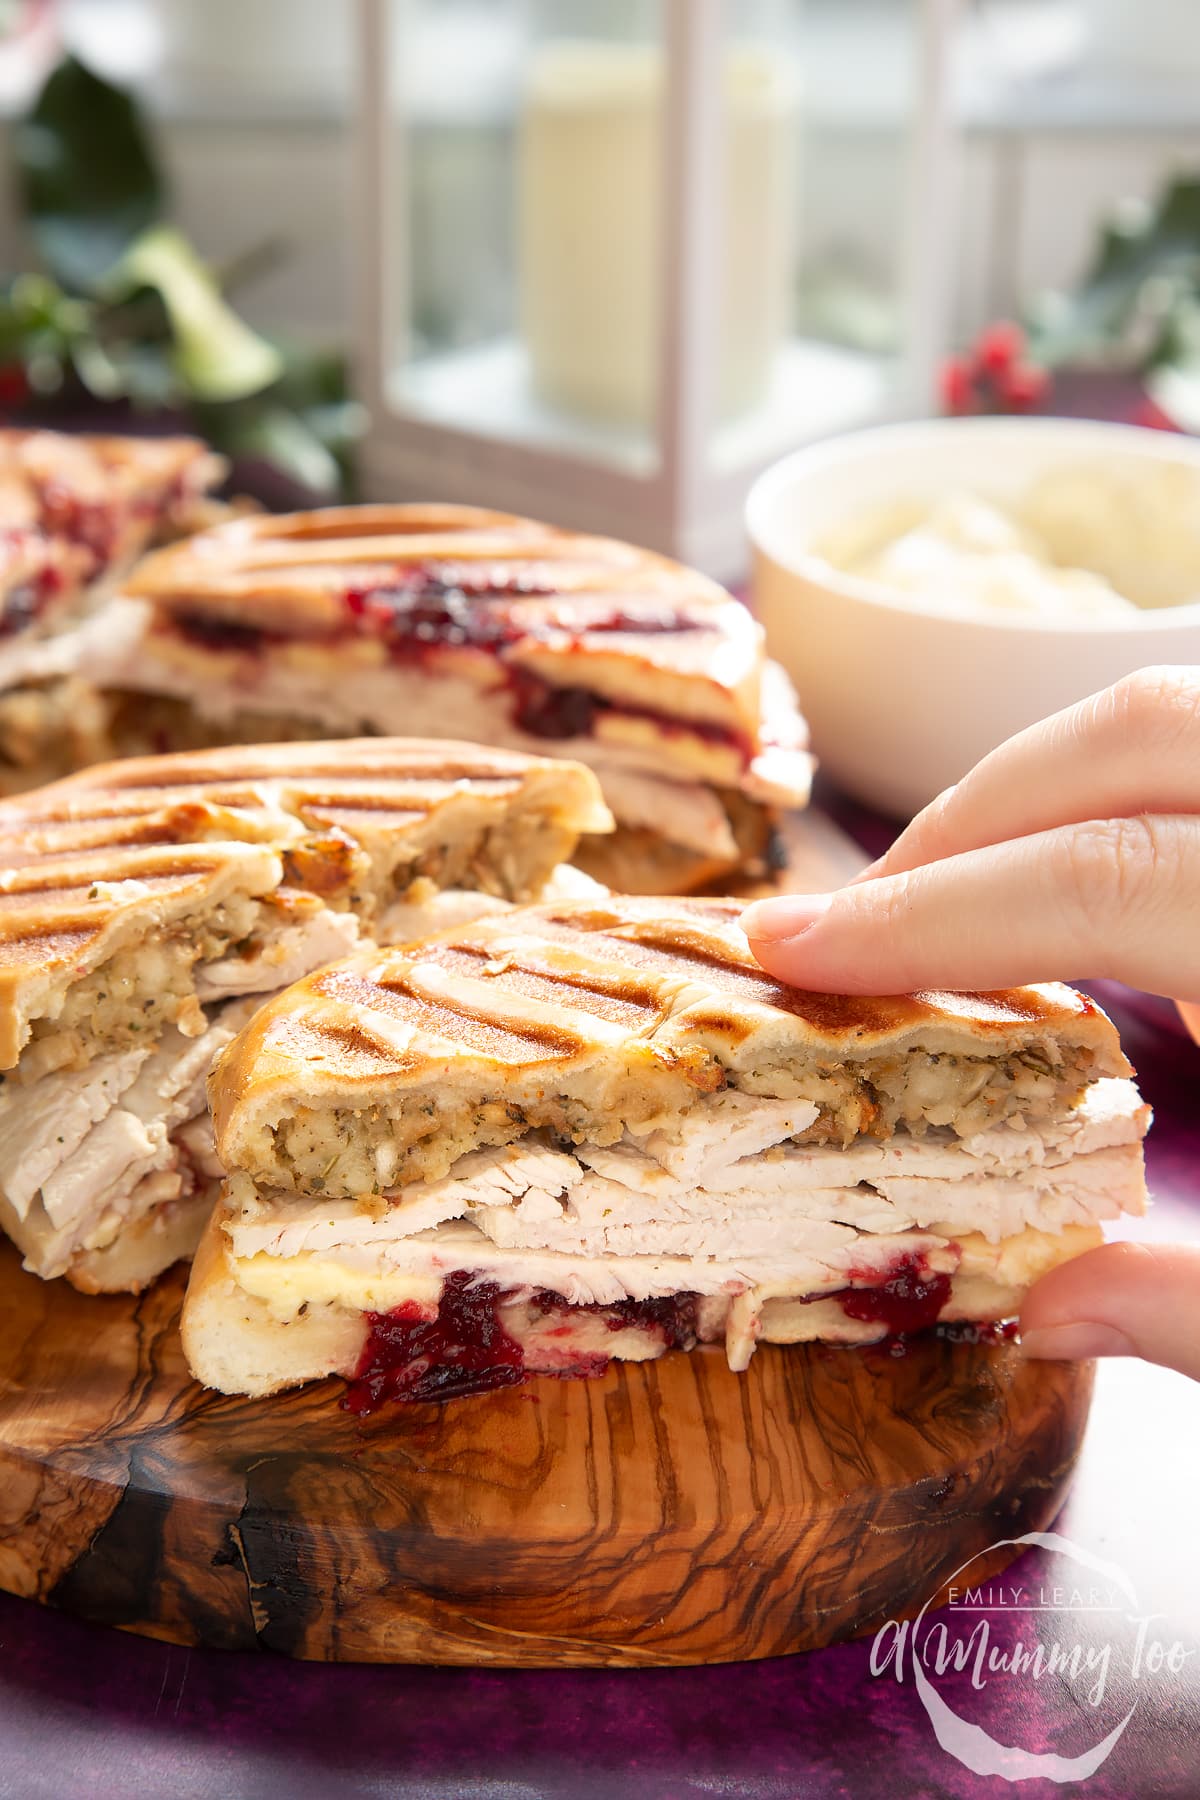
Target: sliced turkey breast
721	1183
279	955
102	1145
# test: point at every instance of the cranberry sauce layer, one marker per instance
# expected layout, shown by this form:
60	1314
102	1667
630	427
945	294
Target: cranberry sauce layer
909	1300
432	607
466	1349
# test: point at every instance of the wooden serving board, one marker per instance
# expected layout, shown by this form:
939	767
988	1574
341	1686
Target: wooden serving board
669	1512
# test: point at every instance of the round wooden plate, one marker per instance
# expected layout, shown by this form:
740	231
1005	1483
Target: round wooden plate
670	1512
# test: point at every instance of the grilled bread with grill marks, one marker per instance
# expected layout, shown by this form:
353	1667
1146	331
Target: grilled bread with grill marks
415	617
141	903
589	1111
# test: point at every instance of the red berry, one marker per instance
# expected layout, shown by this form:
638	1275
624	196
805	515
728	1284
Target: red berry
958	395
14	388
1023	386
998	347
1149	413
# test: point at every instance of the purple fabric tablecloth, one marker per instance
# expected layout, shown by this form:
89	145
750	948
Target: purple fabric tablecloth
94	1714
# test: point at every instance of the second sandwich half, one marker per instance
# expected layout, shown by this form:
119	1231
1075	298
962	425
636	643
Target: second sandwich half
148	907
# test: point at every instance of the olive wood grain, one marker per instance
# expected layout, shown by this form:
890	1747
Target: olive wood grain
669	1512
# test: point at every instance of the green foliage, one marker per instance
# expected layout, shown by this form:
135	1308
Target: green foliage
86	174
216	354
1137	307
127	310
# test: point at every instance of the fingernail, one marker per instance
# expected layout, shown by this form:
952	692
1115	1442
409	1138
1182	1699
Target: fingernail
785	916
1075	1343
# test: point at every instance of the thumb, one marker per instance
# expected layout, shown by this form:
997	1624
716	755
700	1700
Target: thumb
1120	1300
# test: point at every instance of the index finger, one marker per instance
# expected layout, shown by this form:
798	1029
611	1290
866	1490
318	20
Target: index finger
1131	749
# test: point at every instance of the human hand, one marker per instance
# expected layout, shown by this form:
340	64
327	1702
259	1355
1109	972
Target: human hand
1072	849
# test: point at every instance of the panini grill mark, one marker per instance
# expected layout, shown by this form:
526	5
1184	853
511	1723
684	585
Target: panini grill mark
142	862
84	894
382	816
453	1023
634	1005
1011	1006
276	555
721	950
289	578
252	775
659	946
458	1027
391	996
352	1050
39	847
845	1016
356	521
178	828
509	543
648	932
559	950
382	792
421	792
52	942
499	1004
698	965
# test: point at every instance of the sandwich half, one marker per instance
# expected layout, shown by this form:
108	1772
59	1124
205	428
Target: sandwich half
598	1130
75	513
146	909
413	618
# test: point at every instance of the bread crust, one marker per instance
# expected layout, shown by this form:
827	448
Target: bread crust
233	1343
122	851
672	667
566	999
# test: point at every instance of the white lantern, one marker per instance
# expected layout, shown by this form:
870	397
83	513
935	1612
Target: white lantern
618	255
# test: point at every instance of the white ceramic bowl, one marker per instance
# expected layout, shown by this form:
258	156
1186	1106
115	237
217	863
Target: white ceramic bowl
902	700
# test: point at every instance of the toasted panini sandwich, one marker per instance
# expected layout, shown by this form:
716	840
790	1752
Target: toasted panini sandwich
146	908
598	1130
421	618
75	512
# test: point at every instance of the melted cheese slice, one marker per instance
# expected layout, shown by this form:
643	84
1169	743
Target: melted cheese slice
312	1279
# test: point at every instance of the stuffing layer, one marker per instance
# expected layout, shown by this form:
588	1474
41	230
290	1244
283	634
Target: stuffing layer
129	998
730	1179
363	1152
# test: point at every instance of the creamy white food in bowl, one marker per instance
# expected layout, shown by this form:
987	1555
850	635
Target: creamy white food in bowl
932	588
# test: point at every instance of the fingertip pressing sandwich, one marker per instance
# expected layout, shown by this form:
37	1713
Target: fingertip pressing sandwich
388	618
598	1130
148	907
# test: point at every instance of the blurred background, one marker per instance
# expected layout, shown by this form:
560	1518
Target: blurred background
604	259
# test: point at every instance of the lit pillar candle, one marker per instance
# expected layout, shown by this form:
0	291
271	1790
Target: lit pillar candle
590	225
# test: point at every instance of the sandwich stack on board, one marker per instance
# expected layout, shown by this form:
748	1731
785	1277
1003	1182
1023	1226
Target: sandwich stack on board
598	1130
538	1139
444	619
148	907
